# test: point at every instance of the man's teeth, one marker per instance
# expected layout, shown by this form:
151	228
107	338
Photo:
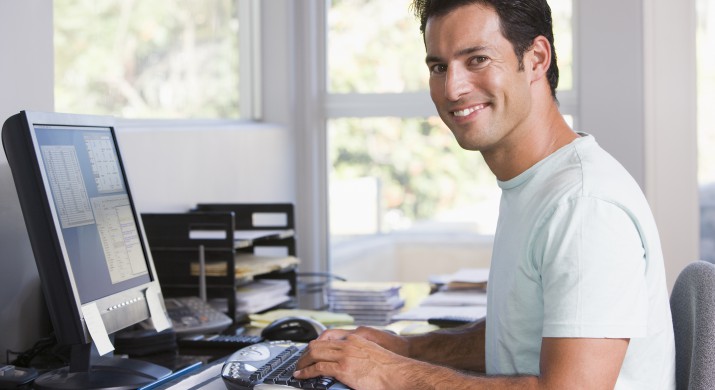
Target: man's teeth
468	111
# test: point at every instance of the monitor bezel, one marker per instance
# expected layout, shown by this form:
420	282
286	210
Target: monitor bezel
118	310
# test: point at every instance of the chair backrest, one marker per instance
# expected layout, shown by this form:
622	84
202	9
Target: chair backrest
692	303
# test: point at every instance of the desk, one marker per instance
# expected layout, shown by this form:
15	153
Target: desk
209	376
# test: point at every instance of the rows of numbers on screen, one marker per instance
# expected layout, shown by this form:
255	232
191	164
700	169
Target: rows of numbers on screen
115	221
67	184
111	213
119	236
105	168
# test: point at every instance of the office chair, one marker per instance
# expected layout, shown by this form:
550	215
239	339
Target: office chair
692	303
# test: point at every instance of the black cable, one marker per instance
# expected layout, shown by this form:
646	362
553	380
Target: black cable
24	359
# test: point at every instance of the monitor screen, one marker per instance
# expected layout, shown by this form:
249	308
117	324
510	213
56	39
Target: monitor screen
85	231
99	231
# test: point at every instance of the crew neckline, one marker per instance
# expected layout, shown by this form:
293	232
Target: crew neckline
527	174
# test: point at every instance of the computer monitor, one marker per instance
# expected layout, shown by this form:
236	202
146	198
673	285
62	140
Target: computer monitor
94	263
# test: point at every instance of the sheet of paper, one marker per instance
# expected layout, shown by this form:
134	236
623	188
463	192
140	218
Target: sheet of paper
456	298
156	310
471	275
326	317
424	313
96	328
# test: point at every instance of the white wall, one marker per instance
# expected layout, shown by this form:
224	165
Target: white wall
173	167
26	77
609	60
670	128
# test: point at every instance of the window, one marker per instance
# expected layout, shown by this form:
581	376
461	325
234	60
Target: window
380	59
397	178
147	59
706	125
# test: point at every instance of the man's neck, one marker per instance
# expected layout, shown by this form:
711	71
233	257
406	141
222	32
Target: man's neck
535	139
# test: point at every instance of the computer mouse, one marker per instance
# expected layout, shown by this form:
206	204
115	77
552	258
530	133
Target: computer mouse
293	328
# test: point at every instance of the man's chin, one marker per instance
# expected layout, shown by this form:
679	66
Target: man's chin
468	144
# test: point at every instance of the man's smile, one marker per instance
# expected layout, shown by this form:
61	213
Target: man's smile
466	111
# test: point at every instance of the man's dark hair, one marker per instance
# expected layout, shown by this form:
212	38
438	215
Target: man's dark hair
520	20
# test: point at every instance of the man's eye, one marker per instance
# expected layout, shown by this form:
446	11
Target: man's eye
438	68
479	60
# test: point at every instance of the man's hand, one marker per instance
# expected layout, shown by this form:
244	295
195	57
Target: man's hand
355	358
387	340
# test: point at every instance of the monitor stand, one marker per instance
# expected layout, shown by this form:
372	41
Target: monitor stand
101	373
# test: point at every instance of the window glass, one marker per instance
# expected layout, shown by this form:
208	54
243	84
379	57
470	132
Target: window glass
147	59
562	16
374	46
392	174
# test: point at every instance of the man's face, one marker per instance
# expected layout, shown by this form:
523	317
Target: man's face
475	81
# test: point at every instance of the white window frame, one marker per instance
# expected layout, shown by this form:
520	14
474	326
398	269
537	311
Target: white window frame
309	42
640	135
249	22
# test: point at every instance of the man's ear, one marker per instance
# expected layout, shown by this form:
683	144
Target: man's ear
538	58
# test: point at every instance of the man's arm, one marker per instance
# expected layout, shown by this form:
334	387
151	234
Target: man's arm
566	363
461	348
362	364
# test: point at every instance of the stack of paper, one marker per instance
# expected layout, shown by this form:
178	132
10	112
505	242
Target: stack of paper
367	303
261	295
464	279
247	265
426	313
327	318
462	295
257	296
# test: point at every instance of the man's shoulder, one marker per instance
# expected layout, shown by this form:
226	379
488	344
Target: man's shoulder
594	172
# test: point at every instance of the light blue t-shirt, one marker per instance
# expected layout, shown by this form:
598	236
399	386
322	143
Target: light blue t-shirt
577	254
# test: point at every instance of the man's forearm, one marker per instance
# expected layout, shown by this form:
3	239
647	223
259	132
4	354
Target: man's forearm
460	348
431	377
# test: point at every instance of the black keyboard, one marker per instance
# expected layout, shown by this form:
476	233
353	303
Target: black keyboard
219	341
270	365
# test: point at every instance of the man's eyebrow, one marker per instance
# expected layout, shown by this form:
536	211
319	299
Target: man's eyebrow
459	53
430	59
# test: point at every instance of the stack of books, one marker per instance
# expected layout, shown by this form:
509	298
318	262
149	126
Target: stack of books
367	303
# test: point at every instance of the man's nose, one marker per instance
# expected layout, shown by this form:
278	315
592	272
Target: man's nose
457	83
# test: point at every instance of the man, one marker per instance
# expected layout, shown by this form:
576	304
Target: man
576	295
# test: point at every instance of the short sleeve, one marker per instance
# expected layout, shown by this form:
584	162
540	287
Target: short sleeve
590	257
